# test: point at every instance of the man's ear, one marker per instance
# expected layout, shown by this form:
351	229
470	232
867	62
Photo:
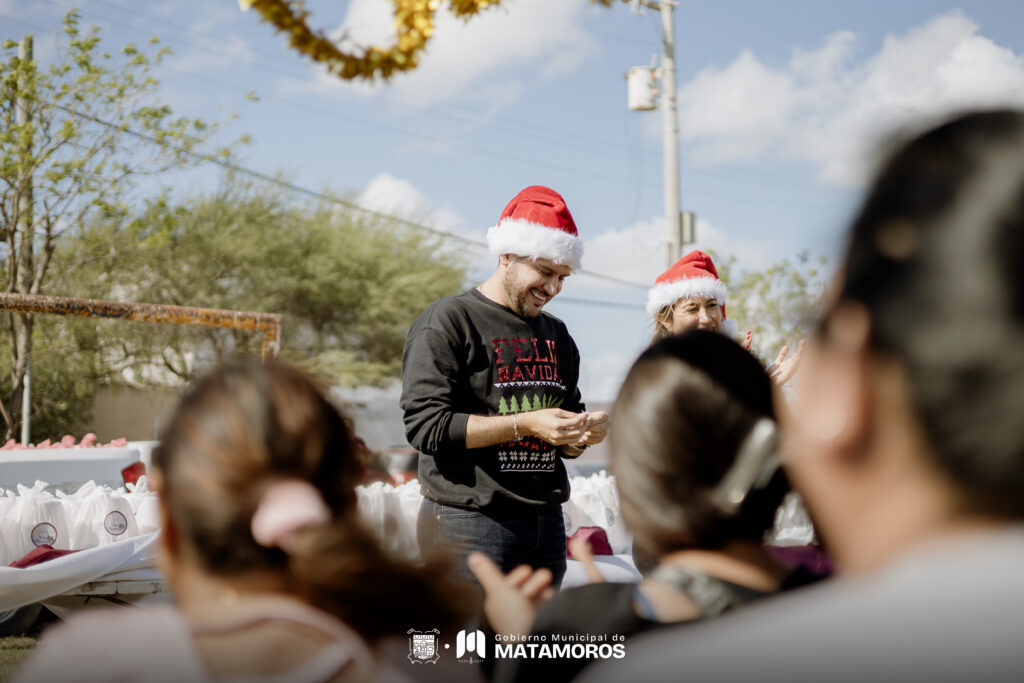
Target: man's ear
839	417
504	259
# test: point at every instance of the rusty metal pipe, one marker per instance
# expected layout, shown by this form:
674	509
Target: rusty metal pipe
268	323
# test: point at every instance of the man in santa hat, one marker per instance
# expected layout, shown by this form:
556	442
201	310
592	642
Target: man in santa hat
490	396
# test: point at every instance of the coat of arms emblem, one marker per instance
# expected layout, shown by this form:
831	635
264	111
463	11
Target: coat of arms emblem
423	646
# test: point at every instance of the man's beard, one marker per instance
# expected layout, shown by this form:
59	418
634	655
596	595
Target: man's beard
517	299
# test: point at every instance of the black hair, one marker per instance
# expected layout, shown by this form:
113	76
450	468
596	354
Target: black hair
246	425
936	256
684	410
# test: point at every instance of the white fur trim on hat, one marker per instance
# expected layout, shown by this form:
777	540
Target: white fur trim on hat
525	238
667	293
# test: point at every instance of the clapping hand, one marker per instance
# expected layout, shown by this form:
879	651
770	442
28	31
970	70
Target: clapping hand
783	369
511	601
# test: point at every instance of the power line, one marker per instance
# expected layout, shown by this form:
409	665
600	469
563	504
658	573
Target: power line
596	143
306	191
317	195
520	127
602	304
640	182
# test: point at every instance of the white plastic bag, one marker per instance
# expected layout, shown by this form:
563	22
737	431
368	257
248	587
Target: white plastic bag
793	525
39	519
593	501
104	517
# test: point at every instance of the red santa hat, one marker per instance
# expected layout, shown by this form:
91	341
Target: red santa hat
693	276
537	224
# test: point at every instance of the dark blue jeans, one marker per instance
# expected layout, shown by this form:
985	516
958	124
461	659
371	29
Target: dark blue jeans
533	535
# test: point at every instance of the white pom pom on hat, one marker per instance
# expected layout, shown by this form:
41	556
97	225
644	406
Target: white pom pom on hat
537	224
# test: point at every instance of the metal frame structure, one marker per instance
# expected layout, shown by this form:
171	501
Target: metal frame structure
268	323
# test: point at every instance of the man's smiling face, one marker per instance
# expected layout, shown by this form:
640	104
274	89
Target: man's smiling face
531	283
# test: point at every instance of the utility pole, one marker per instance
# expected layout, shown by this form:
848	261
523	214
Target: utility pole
23	115
670	133
679	228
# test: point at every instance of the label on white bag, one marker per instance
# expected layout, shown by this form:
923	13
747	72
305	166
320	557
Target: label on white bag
44	533
115	523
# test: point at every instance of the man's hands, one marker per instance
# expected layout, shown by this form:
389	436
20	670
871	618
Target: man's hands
554	425
563	428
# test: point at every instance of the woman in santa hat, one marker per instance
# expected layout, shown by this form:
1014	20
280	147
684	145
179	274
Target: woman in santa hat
690	295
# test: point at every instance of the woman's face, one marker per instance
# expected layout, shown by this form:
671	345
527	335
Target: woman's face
697	313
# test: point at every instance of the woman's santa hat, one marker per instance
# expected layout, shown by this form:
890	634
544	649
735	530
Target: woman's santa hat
691	277
537	224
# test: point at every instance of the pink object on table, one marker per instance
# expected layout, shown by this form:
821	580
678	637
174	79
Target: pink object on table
67	441
596	537
9	446
38	555
118	443
88	441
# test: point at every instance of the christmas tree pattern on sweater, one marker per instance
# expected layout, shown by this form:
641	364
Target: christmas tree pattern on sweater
526	367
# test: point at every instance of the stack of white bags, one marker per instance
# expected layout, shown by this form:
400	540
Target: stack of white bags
90	517
96	515
595	503
391	512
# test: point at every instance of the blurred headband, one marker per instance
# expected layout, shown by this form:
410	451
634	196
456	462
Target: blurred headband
285	507
756	463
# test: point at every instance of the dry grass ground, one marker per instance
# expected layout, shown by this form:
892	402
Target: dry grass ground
12	651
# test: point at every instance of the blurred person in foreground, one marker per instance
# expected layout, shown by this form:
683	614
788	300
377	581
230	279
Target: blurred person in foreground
693	450
906	441
274	576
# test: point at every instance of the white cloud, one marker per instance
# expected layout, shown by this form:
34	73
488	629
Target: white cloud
637	253
474	59
827	109
399	197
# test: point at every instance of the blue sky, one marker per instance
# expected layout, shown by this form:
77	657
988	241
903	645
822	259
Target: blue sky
781	107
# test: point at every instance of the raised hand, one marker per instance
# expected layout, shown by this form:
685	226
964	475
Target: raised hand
511	601
783	369
582	552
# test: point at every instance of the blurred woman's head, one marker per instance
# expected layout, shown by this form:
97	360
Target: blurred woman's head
688	296
686	411
257	472
922	352
241	429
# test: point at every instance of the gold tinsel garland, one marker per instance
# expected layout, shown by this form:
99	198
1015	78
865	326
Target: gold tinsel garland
414	24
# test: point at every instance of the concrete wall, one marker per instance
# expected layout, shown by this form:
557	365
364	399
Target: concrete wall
131	413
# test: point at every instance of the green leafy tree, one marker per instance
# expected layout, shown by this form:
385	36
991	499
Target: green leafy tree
75	137
779	305
349	285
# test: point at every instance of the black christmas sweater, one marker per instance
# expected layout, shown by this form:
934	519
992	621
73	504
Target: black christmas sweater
467	355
